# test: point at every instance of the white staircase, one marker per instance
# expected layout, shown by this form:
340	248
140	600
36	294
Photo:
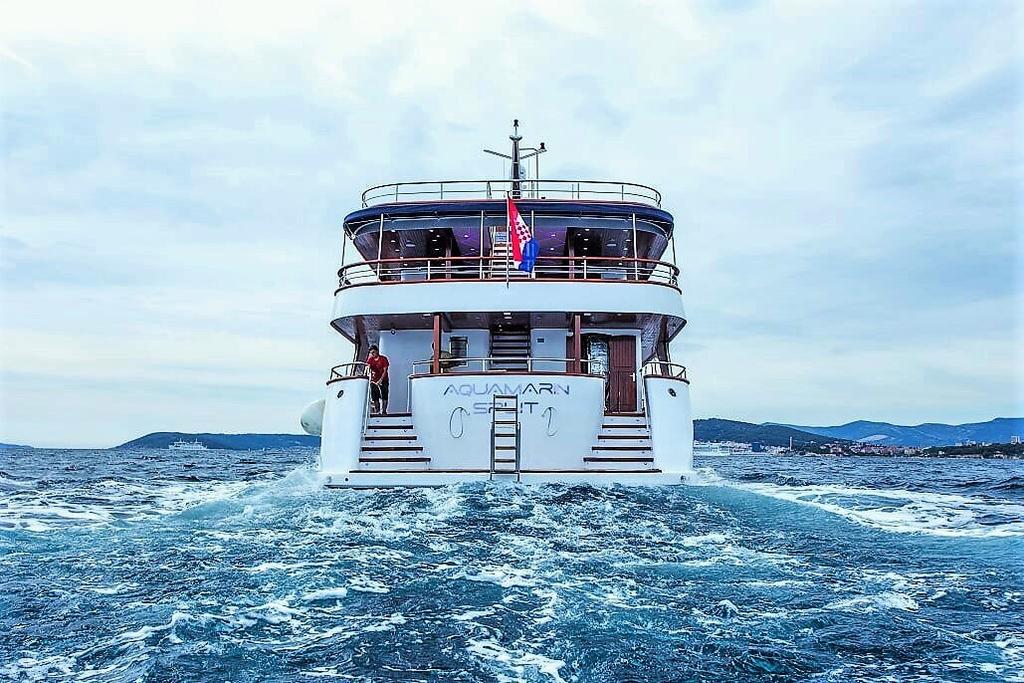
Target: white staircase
501	257
389	444
624	443
510	347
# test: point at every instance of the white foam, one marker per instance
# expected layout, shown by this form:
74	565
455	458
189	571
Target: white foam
273	566
704	476
335	593
902	511
473	614
386	624
113	590
872	603
365	584
492	651
504	576
10	482
46	510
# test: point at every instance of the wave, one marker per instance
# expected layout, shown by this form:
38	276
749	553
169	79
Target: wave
904	511
39	507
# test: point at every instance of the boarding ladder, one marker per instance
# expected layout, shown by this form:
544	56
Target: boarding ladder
505	436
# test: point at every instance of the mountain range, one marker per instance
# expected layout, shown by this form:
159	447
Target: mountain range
717	429
231	442
705	430
998	430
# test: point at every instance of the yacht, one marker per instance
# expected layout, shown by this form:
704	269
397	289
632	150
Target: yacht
526	323
710	449
182	445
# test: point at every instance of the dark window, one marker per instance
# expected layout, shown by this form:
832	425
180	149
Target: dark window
459	348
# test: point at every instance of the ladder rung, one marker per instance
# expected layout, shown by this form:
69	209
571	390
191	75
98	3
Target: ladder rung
506	422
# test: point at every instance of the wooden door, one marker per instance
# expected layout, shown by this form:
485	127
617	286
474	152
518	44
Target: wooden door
622	374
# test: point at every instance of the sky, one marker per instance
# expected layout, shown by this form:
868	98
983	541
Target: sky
846	179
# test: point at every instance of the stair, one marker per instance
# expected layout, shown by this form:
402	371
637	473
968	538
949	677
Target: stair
389	443
624	443
510	347
501	257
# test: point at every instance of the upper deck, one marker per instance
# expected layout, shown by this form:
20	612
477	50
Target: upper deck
580	190
465	218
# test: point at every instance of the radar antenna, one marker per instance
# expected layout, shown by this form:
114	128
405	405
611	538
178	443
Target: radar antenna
518	157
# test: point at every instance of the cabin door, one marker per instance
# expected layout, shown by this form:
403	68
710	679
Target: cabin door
622	374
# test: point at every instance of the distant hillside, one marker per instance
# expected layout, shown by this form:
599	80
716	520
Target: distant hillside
716	429
998	430
231	442
13	445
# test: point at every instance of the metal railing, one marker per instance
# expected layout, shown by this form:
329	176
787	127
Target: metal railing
453	365
440	190
357	369
477	268
663	368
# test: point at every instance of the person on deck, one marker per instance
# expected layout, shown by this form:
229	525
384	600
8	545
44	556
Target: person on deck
378	367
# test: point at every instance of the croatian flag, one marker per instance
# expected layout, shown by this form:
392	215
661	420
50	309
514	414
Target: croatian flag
524	247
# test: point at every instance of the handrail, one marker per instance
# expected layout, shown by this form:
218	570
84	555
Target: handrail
426	190
472	268
450	365
357	369
663	368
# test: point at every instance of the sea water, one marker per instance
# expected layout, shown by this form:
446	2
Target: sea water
228	566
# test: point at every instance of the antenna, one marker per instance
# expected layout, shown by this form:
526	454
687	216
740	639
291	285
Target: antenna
517	158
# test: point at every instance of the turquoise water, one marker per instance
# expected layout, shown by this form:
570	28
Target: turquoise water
227	566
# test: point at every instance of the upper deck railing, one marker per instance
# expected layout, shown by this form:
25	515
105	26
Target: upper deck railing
485	268
441	190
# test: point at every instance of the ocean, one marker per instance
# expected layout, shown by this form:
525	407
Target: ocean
236	566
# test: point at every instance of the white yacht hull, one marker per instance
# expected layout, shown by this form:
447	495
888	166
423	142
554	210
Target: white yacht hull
565	434
363	480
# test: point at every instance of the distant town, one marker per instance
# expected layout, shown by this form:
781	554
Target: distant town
969	449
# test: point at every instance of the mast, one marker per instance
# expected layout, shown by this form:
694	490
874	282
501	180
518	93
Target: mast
517	158
516	170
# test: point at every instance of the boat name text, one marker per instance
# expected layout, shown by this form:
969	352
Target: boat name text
538	388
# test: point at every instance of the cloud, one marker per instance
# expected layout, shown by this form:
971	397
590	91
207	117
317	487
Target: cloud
845	179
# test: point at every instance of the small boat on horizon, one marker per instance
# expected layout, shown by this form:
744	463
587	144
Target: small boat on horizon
182	445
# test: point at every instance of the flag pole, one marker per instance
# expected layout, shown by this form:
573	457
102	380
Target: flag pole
508	238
